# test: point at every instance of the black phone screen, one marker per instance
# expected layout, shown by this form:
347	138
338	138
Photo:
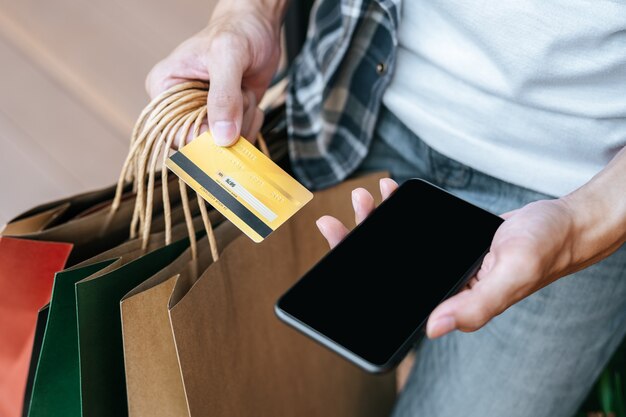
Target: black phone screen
378	286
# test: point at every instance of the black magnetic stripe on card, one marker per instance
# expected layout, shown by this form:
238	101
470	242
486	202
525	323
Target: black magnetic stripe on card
222	195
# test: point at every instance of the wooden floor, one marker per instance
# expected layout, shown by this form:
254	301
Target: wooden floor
71	84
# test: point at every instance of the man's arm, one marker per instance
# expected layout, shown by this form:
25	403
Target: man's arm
599	213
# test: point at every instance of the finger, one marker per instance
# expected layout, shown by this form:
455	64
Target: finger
191	133
204	126
332	229
149	83
404	370
467	311
490	295
470	284
363	204
387	187
161	77
256	125
225	100
249	106
443	319
508	214
486	266
156	80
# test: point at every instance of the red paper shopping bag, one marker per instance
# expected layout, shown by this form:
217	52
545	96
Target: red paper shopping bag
27	270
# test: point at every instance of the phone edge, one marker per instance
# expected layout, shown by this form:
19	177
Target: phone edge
328	343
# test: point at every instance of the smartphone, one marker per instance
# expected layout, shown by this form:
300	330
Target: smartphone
369	298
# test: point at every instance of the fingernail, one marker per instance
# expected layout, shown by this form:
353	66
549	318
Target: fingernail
440	326
320	226
356	205
223	132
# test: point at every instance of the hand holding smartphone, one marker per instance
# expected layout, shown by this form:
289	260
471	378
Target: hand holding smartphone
369	298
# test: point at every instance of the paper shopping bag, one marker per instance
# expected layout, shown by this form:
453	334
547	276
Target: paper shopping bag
238	360
94	228
55	212
26	271
56	388
103	386
153	380
40	327
35	223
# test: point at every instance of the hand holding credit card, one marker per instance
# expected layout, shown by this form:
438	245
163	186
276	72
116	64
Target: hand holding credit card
243	184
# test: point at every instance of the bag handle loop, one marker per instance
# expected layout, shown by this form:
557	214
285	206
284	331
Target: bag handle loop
164	124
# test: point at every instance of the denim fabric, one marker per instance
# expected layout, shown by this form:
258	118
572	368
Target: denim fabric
538	358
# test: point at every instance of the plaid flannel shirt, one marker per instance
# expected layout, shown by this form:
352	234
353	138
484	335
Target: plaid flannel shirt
336	87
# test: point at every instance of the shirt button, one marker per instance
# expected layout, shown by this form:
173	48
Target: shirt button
380	68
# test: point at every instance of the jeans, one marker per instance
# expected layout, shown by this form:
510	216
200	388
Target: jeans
538	358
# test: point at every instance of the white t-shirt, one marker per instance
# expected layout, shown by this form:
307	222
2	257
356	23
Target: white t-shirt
529	91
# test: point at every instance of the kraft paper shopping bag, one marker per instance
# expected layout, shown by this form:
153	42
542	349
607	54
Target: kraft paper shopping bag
55	212
238	360
35	223
93	228
153	380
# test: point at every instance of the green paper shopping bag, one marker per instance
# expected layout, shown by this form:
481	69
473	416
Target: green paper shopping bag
42	321
56	388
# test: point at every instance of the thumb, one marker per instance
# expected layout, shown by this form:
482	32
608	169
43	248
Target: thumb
225	100
472	308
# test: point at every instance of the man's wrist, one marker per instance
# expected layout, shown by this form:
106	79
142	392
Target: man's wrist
272	10
598	214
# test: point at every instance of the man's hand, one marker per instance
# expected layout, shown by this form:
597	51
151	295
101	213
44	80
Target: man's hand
238	53
535	245
531	249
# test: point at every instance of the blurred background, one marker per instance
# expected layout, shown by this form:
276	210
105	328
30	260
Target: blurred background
71	86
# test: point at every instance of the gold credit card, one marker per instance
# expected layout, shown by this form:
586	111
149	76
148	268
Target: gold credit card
247	187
